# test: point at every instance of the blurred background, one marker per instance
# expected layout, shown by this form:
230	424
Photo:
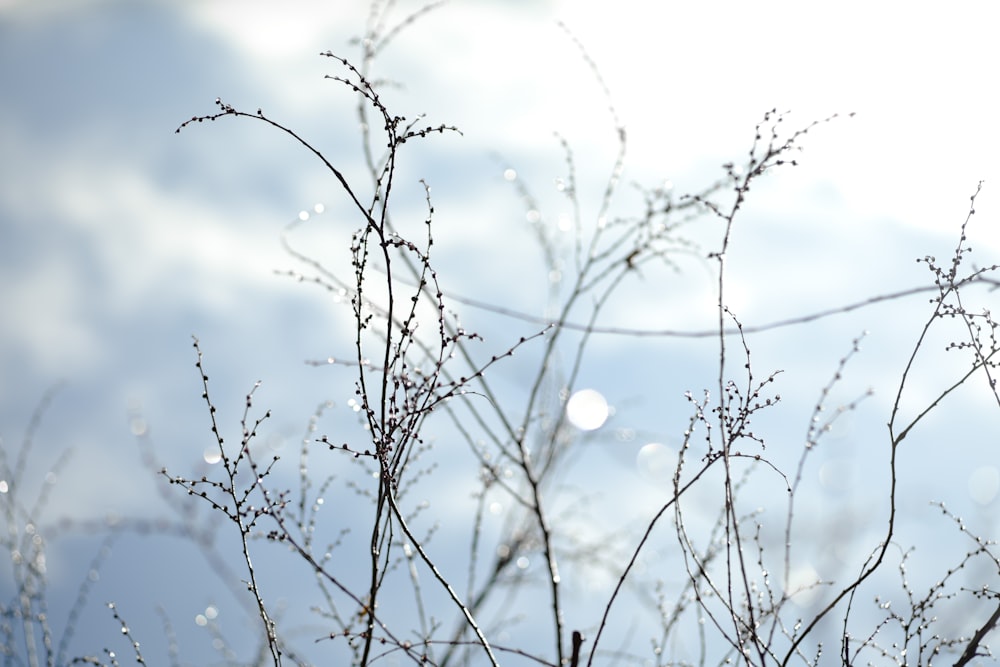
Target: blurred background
120	239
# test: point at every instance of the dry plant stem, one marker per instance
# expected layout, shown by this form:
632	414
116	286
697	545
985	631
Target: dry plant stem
464	643
731	525
377	37
971	650
29	580
425	288
896	436
533	477
944	292
127	633
379	427
383	179
739	610
231	466
272	509
228	110
814	432
702	333
444	582
574	660
383	425
716	544
534	483
321	571
585	263
762	158
678	492
373	586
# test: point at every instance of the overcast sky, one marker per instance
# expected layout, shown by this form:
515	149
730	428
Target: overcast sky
119	238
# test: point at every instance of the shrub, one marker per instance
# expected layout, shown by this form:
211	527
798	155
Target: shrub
535	549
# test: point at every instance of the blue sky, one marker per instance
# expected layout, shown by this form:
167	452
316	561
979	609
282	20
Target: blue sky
119	239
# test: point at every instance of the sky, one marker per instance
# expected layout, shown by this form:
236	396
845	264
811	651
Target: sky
120	238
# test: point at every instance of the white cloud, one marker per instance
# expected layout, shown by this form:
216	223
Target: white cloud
144	229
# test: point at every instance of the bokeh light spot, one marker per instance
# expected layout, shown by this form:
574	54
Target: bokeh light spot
803	585
984	482
587	410
656	462
138	426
